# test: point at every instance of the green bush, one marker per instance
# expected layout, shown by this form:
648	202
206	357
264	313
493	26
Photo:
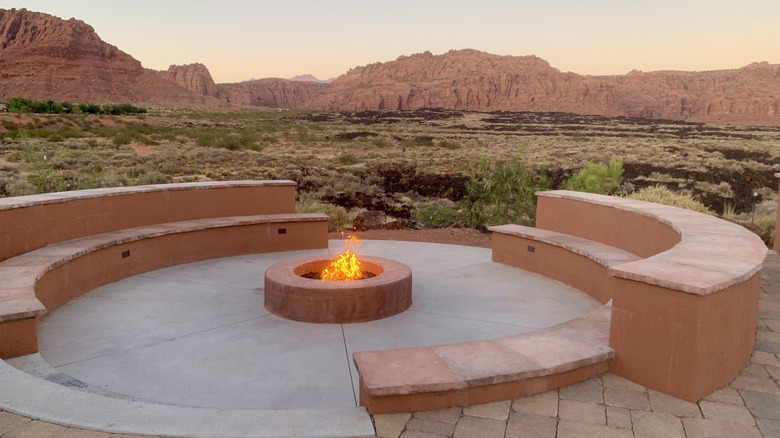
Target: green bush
597	178
338	217
501	192
662	195
436	215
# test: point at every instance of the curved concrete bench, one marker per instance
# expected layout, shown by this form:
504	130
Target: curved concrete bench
682	289
469	373
683	311
40	272
55	247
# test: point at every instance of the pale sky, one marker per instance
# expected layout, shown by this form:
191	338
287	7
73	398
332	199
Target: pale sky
242	39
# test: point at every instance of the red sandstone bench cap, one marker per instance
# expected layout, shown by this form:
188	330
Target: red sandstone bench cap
712	254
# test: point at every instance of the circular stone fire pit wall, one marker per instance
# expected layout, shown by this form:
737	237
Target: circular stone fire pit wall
291	296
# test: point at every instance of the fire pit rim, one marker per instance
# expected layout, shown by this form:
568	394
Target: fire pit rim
291	296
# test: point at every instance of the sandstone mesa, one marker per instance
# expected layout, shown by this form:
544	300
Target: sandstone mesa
44	57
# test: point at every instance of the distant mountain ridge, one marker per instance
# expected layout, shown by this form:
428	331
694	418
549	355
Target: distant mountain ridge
44	57
311	78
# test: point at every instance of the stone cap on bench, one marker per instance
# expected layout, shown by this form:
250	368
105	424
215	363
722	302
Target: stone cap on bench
600	253
712	254
564	347
18	275
57	197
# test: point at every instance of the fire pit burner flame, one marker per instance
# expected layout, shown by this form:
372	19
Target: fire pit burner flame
347	266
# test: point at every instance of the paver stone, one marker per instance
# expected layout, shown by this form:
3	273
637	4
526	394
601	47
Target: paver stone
656	425
726	413
497	411
390	425
475	427
523	425
574	410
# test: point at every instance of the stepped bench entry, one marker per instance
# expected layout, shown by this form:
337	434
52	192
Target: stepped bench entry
680	290
56	247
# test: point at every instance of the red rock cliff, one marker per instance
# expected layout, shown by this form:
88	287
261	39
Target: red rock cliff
472	80
46	58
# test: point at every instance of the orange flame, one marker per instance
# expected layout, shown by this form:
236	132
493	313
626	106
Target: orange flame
347	266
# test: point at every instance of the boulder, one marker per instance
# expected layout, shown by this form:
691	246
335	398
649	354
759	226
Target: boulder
370	220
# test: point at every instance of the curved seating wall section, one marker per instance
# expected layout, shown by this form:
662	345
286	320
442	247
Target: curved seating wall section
31	222
192	227
684	311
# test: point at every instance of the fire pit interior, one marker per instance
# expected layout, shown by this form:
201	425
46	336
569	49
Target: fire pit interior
380	288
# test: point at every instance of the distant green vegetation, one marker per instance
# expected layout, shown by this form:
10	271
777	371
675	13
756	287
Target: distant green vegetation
662	195
597	178
21	105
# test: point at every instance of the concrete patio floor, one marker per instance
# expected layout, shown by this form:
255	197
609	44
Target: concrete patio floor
605	407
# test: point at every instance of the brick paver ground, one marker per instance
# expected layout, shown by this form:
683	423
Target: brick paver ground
604	407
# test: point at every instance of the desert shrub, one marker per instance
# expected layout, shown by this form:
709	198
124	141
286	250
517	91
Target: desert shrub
448	145
379	142
420	140
152	177
597	178
502	192
338	217
662	195
122	139
436	215
206	139
347	158
20	187
230	142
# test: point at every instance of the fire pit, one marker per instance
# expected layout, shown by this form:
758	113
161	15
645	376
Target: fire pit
293	290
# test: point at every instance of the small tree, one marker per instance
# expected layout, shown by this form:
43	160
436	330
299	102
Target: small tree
597	178
503	192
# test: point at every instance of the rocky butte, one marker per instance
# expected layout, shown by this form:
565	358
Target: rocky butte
46	58
194	77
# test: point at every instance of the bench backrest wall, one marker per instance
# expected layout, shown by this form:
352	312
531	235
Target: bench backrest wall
622	229
31	222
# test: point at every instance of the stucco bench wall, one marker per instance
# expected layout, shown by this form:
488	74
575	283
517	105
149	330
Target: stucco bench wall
581	263
31	222
684	315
